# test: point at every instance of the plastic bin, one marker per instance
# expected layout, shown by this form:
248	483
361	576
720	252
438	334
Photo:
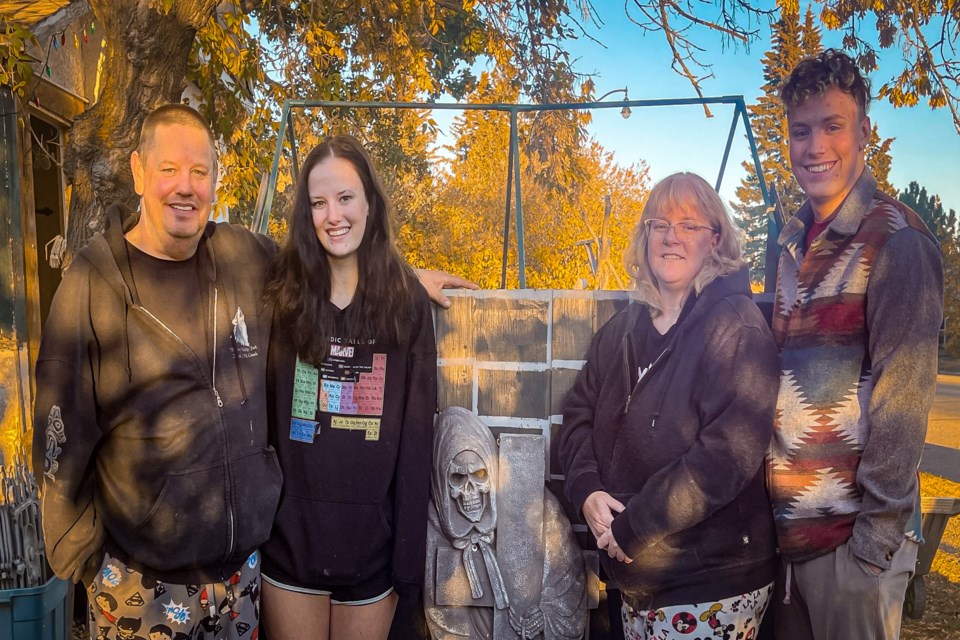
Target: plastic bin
38	613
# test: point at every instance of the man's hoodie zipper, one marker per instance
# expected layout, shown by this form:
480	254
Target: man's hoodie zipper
133	300
213	386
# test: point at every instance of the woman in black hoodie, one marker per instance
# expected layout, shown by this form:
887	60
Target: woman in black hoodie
665	430
354	363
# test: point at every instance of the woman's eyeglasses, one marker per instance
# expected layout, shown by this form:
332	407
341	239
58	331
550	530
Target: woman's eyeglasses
684	229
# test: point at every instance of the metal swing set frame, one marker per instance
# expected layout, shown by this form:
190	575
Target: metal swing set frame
513	207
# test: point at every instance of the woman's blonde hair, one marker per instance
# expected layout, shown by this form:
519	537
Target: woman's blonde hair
690	193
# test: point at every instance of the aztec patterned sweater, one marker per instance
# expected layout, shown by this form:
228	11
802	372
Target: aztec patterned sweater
857	320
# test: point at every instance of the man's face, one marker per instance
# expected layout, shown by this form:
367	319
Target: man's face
175	180
828	136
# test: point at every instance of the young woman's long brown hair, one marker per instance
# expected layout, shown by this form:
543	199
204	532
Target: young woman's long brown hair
299	279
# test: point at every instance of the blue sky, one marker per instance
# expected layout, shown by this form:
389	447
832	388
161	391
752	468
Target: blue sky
669	139
926	146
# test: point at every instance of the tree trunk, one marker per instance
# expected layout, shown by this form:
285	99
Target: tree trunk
146	65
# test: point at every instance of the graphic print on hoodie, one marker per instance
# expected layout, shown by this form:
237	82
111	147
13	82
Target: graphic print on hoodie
348	384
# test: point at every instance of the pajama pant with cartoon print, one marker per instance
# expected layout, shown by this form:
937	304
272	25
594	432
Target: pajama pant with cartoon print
734	618
127	605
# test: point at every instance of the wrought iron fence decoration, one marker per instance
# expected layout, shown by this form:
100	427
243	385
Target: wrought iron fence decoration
22	560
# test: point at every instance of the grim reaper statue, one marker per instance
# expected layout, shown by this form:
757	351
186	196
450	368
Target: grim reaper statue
465	594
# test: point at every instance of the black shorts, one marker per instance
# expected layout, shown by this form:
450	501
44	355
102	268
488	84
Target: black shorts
373	589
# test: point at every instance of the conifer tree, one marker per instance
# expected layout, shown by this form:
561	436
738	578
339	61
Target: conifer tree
791	42
879	160
943	223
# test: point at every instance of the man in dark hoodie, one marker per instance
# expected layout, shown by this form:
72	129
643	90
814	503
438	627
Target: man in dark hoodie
151	431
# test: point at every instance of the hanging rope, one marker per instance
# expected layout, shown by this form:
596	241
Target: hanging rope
54	255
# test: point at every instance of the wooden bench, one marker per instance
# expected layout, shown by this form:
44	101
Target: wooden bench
935	514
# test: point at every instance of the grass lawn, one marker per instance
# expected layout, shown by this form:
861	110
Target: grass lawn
947	560
941	618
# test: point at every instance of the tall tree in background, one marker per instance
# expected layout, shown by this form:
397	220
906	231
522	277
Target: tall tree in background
943	224
879	159
460	228
383	50
923	36
792	41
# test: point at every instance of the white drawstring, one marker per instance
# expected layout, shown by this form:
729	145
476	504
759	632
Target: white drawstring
786	596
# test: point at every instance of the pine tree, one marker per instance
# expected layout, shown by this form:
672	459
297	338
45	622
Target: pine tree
810	39
943	224
879	160
791	42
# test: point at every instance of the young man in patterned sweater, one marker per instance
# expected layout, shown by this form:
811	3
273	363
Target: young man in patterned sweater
857	315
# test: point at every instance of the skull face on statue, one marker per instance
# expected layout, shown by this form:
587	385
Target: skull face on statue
469	484
464	480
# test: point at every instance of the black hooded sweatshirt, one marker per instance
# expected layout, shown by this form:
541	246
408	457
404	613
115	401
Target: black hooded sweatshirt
356	454
682	446
148	450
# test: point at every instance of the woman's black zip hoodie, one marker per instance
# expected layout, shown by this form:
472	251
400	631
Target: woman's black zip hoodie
682	448
147	450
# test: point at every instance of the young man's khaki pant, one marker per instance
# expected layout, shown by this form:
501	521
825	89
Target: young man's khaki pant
838	597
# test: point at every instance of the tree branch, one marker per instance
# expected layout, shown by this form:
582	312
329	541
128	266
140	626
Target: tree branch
949	97
659	15
51	25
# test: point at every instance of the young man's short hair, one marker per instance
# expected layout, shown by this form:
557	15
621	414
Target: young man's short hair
813	76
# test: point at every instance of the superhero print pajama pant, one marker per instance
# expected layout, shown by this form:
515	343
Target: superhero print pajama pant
127	605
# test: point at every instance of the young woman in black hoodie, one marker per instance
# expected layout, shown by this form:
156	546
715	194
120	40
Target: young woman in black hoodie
353	364
665	429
